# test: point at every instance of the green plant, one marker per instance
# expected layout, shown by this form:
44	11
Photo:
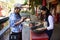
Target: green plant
34	3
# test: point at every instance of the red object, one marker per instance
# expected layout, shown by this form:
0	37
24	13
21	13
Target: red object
0	11
43	2
42	36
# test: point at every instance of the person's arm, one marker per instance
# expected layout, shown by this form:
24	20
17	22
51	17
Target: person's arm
20	21
51	23
13	22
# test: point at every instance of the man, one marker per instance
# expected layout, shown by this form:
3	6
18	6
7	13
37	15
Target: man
16	21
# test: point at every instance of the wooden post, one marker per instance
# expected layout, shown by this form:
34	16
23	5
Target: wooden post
43	2
36	12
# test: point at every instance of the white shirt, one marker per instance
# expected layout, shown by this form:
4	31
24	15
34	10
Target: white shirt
51	22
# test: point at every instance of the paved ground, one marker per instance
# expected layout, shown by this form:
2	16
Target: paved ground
55	36
56	32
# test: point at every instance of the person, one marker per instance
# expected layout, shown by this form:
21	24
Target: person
16	20
47	16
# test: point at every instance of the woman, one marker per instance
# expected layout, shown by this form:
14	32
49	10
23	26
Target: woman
45	13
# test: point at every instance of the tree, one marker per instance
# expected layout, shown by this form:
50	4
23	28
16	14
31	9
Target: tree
34	3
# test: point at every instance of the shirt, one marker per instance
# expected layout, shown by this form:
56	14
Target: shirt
13	18
51	23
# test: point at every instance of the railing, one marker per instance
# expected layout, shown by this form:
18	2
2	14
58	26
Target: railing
5	28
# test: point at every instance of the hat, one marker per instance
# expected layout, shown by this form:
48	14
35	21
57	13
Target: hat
17	5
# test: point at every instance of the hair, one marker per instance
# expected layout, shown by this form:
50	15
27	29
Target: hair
18	13
47	12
